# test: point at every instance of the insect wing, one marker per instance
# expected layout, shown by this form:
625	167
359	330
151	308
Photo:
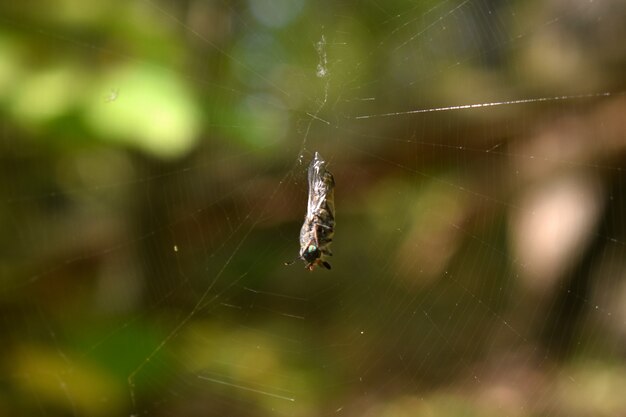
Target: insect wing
314	179
321	184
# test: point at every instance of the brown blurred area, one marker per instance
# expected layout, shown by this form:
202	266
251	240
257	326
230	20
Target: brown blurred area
153	182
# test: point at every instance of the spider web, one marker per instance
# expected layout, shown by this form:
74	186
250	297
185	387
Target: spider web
478	151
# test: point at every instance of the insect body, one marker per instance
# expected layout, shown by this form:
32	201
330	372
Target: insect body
318	229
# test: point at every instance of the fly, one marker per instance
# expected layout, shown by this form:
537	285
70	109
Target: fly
318	229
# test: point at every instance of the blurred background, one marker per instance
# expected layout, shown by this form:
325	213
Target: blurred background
153	158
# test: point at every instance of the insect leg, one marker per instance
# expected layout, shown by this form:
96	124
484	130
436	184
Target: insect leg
317	241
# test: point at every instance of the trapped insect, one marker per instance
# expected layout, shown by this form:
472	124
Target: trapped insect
318	229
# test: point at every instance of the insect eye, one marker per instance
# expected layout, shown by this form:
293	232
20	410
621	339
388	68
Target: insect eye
311	254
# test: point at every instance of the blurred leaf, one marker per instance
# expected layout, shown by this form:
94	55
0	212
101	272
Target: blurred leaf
147	108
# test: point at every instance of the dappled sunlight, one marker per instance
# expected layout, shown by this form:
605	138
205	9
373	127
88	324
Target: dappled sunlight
554	223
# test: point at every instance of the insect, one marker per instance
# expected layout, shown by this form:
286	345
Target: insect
318	229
